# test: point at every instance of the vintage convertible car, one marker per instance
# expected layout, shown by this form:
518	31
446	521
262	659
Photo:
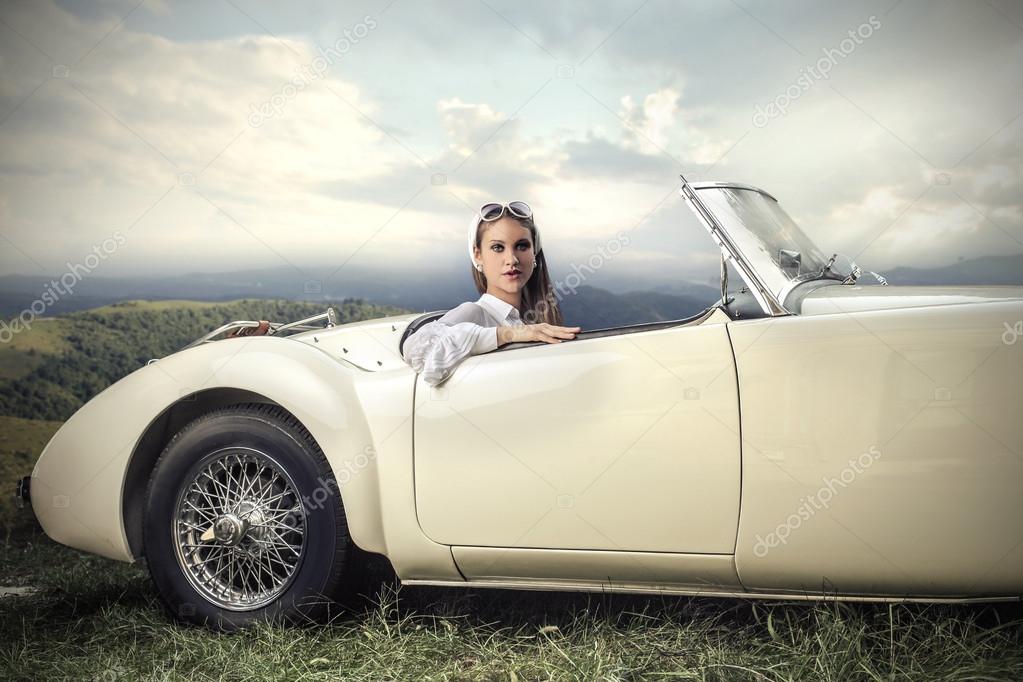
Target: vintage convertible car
805	437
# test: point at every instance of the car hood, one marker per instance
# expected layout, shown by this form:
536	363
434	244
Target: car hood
848	298
371	345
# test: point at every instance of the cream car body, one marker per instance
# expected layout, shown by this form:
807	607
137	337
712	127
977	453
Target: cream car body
805	438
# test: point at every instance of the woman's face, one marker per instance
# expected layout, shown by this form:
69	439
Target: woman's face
506	248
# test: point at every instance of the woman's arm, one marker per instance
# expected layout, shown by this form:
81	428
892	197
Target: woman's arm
436	348
548	333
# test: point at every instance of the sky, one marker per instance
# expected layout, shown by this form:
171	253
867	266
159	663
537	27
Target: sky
175	137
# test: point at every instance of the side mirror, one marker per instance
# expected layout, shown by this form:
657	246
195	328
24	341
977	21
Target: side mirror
790	262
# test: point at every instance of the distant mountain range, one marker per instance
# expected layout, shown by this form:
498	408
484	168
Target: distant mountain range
606	299
415	291
594	308
986	270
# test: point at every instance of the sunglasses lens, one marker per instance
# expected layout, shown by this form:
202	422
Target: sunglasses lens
491	211
521	209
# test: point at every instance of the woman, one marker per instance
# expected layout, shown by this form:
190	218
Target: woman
517	302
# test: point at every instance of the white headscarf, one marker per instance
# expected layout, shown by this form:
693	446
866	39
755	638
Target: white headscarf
475	223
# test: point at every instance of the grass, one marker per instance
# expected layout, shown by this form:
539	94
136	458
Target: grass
28	349
47	335
21	442
142	305
97	619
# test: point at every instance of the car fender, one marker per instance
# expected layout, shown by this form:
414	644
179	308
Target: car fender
78	481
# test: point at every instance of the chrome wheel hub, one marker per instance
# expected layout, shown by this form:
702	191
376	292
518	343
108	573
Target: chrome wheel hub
239	529
229	529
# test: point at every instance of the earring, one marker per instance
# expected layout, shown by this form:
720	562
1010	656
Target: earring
479	267
534	263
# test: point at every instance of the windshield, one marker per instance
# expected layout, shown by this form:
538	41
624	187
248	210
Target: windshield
766	237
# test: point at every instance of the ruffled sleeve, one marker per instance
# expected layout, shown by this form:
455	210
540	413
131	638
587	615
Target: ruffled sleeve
436	348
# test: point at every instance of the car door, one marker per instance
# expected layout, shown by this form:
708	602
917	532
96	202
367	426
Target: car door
628	440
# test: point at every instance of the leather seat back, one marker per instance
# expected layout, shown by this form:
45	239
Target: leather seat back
414	326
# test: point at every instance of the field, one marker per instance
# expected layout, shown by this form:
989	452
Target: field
68	615
95	619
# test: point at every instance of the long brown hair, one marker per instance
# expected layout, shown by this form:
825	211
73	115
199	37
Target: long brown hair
538	300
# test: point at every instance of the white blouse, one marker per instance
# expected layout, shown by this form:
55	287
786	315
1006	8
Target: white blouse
436	348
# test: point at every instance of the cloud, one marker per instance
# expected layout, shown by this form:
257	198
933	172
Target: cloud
382	155
597	156
89	152
649	125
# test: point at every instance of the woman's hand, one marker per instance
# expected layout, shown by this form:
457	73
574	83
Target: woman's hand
548	333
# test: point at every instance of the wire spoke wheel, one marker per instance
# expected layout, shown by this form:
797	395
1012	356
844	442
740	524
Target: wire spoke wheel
239	528
229	535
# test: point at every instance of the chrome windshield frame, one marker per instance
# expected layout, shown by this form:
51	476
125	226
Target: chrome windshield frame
324	320
758	288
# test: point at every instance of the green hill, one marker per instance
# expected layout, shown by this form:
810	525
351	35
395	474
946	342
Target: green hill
49	371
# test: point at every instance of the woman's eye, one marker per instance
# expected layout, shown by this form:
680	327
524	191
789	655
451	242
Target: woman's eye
497	247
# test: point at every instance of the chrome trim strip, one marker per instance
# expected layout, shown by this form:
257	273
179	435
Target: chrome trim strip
324	320
768	303
803	280
731	185
691	591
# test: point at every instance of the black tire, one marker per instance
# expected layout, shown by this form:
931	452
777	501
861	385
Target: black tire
238	440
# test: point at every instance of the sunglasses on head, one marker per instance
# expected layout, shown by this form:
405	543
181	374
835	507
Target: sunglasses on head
492	211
